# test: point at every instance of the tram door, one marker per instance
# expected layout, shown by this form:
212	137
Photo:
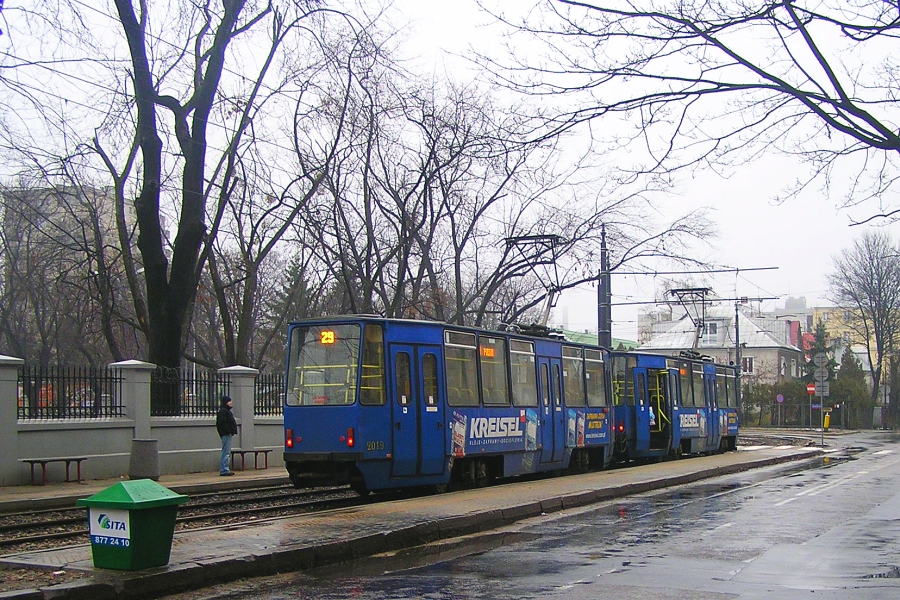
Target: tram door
553	423
712	407
417	411
645	415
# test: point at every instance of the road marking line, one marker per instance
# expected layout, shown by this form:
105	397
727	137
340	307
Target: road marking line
881	452
846	479
784	447
723	526
783	502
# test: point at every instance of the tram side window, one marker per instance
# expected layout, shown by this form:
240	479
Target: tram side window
402	379
731	384
460	358
522	368
687	389
622	385
722	386
699	395
557	386
595	378
371	384
545	385
492	354
323	365
630	365
573	376
430	379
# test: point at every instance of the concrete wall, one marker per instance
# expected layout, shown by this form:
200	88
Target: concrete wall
186	444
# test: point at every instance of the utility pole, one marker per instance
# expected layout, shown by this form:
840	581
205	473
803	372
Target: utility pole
737	353
604	295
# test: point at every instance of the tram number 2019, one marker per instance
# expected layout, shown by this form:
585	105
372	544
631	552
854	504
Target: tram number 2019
372	446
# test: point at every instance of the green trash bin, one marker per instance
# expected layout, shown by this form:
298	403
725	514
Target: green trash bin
132	524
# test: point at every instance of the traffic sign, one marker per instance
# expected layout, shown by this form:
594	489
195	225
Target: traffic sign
820	358
779	398
821	373
810	388
822	388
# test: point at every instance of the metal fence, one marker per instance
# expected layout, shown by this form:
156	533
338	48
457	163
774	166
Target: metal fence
268	395
68	393
93	393
186	392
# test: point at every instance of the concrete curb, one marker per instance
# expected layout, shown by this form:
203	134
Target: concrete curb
152	583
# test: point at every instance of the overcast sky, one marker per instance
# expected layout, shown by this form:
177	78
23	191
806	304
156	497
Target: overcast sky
799	237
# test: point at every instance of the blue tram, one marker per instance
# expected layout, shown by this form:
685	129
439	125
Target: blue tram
387	404
669	406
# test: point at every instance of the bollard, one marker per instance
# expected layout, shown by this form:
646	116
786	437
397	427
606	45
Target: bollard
144	460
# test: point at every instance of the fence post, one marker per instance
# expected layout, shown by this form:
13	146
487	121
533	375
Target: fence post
241	388
136	394
9	415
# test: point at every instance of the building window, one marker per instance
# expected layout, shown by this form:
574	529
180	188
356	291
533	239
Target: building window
747	365
783	370
794	367
825	316
710	334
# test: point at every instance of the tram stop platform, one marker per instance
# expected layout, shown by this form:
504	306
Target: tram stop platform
204	557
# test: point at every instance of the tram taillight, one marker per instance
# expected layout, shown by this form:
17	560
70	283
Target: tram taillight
289	438
351	437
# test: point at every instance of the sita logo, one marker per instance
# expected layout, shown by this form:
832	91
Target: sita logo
106	523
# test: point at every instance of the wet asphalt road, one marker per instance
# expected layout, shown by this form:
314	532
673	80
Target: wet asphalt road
828	529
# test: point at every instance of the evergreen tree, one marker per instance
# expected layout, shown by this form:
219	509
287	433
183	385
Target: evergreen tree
849	390
820	344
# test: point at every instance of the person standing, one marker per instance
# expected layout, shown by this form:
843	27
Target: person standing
226	426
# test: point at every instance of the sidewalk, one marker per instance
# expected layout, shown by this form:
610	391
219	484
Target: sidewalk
204	557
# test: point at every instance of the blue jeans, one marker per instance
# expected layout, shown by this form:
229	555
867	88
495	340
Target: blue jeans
226	454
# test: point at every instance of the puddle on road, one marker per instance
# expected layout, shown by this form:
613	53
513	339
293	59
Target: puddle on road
892	573
421	556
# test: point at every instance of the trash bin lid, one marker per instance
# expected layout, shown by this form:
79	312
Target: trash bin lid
138	493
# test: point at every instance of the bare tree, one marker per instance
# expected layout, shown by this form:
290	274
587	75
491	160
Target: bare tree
714	84
866	281
431	185
176	127
63	286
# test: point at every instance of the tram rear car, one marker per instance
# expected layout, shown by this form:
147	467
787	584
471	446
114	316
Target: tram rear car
387	404
670	406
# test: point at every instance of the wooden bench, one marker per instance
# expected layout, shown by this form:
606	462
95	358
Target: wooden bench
255	453
45	461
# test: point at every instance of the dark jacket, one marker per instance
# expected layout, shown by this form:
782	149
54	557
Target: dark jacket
225	423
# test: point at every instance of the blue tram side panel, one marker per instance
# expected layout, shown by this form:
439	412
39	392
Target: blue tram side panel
385	404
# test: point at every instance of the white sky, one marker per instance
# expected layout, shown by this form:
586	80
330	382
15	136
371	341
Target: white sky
800	237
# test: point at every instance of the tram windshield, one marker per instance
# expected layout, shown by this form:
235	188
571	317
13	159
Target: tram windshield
323	365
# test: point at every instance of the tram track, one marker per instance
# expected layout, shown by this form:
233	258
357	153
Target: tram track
41	529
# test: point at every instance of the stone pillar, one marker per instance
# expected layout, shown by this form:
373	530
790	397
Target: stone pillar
135	376
9	394
241	389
